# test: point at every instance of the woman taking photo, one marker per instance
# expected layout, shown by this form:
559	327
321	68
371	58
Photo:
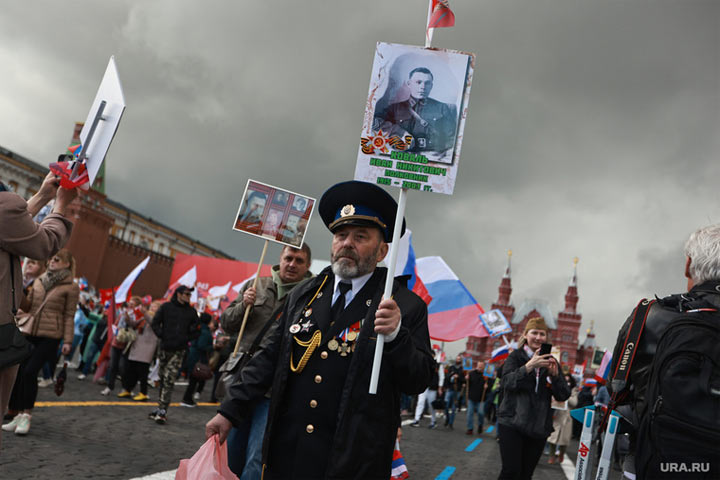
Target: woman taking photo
525	417
51	304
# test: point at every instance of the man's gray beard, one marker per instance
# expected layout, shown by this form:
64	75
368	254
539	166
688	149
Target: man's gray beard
362	266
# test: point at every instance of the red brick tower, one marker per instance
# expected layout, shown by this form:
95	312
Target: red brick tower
481	348
568	323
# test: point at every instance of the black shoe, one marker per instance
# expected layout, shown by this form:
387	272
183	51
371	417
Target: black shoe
432	426
415	424
161	417
152	415
188	403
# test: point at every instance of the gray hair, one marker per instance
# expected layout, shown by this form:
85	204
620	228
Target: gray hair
703	248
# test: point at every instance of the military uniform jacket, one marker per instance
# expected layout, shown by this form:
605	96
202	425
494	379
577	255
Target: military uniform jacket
433	126
323	423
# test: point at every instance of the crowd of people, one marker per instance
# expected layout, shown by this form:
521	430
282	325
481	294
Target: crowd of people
290	359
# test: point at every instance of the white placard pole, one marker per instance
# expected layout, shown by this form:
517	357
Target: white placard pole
248	308
397	229
389	279
603	471
582	465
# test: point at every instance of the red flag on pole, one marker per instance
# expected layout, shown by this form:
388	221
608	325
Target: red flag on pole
441	15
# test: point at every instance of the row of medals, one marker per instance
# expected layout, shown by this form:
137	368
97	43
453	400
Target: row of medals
334	344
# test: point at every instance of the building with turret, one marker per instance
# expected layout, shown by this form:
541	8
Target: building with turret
564	327
109	239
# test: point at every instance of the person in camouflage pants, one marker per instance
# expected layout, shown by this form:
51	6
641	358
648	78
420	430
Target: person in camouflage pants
170	364
175	324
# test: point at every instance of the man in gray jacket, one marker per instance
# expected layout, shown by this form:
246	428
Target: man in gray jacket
268	296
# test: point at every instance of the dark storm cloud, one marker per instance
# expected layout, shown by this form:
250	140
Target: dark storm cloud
592	128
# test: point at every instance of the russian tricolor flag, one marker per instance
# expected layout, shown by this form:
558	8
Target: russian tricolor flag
500	353
601	375
453	312
399	469
406	266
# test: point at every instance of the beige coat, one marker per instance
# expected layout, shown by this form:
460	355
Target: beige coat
562	422
57	317
21	236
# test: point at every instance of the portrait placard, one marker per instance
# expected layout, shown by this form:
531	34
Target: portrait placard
597	357
489	371
274	214
414	117
495	323
467	363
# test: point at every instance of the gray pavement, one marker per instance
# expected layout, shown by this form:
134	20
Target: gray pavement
79	436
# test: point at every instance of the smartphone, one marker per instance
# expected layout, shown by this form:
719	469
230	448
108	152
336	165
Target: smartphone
545	348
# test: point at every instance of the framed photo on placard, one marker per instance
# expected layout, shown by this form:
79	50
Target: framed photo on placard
495	323
414	117
274	214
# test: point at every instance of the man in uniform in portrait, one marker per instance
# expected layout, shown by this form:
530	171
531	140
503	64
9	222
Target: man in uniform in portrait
249	219
431	123
323	423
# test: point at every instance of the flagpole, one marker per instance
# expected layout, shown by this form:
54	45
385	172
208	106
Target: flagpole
390	277
428	31
387	293
248	308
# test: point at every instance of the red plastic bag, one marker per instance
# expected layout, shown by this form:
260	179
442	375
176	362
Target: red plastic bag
210	462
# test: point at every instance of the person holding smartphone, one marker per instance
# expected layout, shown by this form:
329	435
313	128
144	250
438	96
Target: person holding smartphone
531	376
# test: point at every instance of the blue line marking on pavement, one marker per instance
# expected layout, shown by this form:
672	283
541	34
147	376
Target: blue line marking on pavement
447	473
472	446
490	429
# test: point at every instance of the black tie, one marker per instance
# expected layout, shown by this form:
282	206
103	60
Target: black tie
339	304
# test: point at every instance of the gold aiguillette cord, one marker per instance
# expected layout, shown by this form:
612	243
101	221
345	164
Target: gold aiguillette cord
311	344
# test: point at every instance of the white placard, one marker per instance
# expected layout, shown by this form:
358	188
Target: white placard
111	92
414	117
274	214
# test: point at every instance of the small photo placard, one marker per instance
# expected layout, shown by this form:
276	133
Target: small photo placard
274	214
495	323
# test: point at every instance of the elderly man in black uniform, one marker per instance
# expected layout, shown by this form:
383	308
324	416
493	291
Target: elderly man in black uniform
430	122
323	423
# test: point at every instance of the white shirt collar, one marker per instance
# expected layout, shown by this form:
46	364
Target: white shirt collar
357	284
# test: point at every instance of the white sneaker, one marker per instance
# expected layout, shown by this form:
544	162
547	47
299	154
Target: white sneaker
45	382
10	427
81	376
106	391
196	396
23	425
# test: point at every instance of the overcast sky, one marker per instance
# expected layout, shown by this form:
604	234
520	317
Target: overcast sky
592	128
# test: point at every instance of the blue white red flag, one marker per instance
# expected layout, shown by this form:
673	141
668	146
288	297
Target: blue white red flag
601	375
590	382
122	294
502	352
399	469
406	265
453	313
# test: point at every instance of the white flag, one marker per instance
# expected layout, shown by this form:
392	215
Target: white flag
121	294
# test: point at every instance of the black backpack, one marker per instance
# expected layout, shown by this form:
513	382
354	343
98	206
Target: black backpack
679	431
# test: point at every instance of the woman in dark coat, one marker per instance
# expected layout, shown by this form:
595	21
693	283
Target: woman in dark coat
525	416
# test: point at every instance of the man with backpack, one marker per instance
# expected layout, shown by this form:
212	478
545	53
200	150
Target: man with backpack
666	367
